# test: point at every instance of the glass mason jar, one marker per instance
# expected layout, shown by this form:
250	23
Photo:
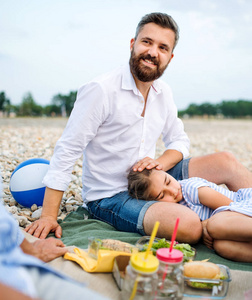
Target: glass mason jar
170	274
140	282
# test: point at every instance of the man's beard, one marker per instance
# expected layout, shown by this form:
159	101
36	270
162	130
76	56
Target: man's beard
142	72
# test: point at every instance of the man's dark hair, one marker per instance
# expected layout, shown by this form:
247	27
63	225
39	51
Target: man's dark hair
162	20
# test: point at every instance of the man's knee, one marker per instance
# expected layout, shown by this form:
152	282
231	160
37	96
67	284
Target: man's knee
226	166
227	157
189	229
216	167
192	234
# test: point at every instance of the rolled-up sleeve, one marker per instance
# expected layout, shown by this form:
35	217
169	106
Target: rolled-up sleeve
84	121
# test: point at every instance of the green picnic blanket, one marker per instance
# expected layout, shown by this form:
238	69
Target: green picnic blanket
77	229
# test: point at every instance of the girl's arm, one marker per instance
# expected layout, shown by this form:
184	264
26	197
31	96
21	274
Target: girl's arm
212	198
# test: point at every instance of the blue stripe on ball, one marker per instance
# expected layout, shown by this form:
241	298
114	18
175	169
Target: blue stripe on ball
28	198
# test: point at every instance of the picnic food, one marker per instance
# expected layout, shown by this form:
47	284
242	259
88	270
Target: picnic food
202	270
117	245
108	244
186	249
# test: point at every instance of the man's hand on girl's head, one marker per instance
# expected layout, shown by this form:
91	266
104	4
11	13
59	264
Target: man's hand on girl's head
147	163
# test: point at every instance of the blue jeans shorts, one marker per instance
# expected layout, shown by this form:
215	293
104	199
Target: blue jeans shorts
126	213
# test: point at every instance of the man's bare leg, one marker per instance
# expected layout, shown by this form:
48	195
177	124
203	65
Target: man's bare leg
221	168
189	229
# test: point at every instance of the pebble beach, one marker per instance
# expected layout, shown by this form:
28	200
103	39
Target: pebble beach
25	138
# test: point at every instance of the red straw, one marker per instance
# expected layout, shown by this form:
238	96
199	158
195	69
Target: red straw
174	235
170	250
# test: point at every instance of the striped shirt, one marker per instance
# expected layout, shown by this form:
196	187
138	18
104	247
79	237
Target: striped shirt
242	199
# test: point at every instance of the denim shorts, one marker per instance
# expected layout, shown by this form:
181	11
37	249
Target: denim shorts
126	213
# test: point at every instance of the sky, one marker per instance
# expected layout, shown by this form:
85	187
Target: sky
55	46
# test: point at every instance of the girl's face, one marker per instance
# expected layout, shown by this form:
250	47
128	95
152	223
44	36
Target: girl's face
164	187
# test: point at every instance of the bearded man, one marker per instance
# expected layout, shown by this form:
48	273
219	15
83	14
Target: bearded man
115	123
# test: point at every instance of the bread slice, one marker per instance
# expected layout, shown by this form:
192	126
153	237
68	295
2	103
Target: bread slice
201	269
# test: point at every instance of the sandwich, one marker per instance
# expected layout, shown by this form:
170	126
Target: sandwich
207	273
109	244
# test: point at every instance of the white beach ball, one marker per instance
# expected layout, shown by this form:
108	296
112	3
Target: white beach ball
26	182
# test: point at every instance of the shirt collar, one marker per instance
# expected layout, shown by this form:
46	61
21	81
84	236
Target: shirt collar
128	82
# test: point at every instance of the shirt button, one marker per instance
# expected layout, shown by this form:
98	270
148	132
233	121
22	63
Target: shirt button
142	101
142	141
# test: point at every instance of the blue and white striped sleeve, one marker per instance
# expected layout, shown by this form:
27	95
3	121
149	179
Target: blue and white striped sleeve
190	193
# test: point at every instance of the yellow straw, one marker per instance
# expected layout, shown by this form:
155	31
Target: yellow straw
153	235
133	294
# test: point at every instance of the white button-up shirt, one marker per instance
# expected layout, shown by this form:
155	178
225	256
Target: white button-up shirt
106	126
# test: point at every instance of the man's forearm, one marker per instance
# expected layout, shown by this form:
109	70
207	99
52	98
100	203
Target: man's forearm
48	220
170	158
51	203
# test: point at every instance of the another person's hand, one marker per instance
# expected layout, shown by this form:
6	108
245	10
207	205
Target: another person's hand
45	250
207	239
43	226
147	163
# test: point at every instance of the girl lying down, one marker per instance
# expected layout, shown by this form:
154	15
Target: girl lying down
226	216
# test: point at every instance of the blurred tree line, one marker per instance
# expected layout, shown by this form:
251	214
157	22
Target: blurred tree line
62	105
228	109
